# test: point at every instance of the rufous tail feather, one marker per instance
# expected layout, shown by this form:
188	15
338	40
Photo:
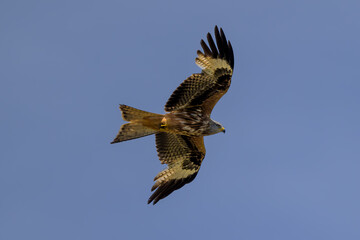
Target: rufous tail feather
141	124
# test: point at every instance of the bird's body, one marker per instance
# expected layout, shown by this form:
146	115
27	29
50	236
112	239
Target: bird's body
180	132
189	122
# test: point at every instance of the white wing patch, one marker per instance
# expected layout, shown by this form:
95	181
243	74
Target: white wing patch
175	171
209	65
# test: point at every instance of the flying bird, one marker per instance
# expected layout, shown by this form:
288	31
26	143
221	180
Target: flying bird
179	133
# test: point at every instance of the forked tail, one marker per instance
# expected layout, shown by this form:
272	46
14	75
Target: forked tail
141	124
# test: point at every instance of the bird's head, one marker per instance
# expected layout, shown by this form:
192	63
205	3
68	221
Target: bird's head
215	127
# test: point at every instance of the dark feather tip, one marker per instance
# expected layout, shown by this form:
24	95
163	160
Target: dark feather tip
222	48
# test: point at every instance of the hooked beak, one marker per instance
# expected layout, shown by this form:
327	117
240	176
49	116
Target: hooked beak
223	130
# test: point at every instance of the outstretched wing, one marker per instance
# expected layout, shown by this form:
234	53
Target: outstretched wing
207	87
183	155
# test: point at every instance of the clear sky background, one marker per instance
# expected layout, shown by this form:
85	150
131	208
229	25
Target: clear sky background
287	167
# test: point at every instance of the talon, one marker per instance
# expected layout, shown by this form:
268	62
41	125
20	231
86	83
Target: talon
163	123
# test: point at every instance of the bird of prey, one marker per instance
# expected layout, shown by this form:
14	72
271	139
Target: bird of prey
180	132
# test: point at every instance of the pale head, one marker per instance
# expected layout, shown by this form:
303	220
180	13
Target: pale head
215	127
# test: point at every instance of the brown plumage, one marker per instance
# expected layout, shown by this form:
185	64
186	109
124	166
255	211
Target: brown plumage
180	132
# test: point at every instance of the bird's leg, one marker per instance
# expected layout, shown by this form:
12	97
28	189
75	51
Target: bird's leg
163	124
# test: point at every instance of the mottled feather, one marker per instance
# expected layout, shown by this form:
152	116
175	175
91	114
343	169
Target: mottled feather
207	87
183	155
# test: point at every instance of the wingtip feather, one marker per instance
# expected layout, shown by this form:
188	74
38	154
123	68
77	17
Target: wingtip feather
222	49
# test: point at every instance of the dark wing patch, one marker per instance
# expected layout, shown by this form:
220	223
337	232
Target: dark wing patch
217	63
188	90
183	155
168	187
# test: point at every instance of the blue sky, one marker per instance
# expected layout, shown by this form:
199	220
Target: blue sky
287	167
